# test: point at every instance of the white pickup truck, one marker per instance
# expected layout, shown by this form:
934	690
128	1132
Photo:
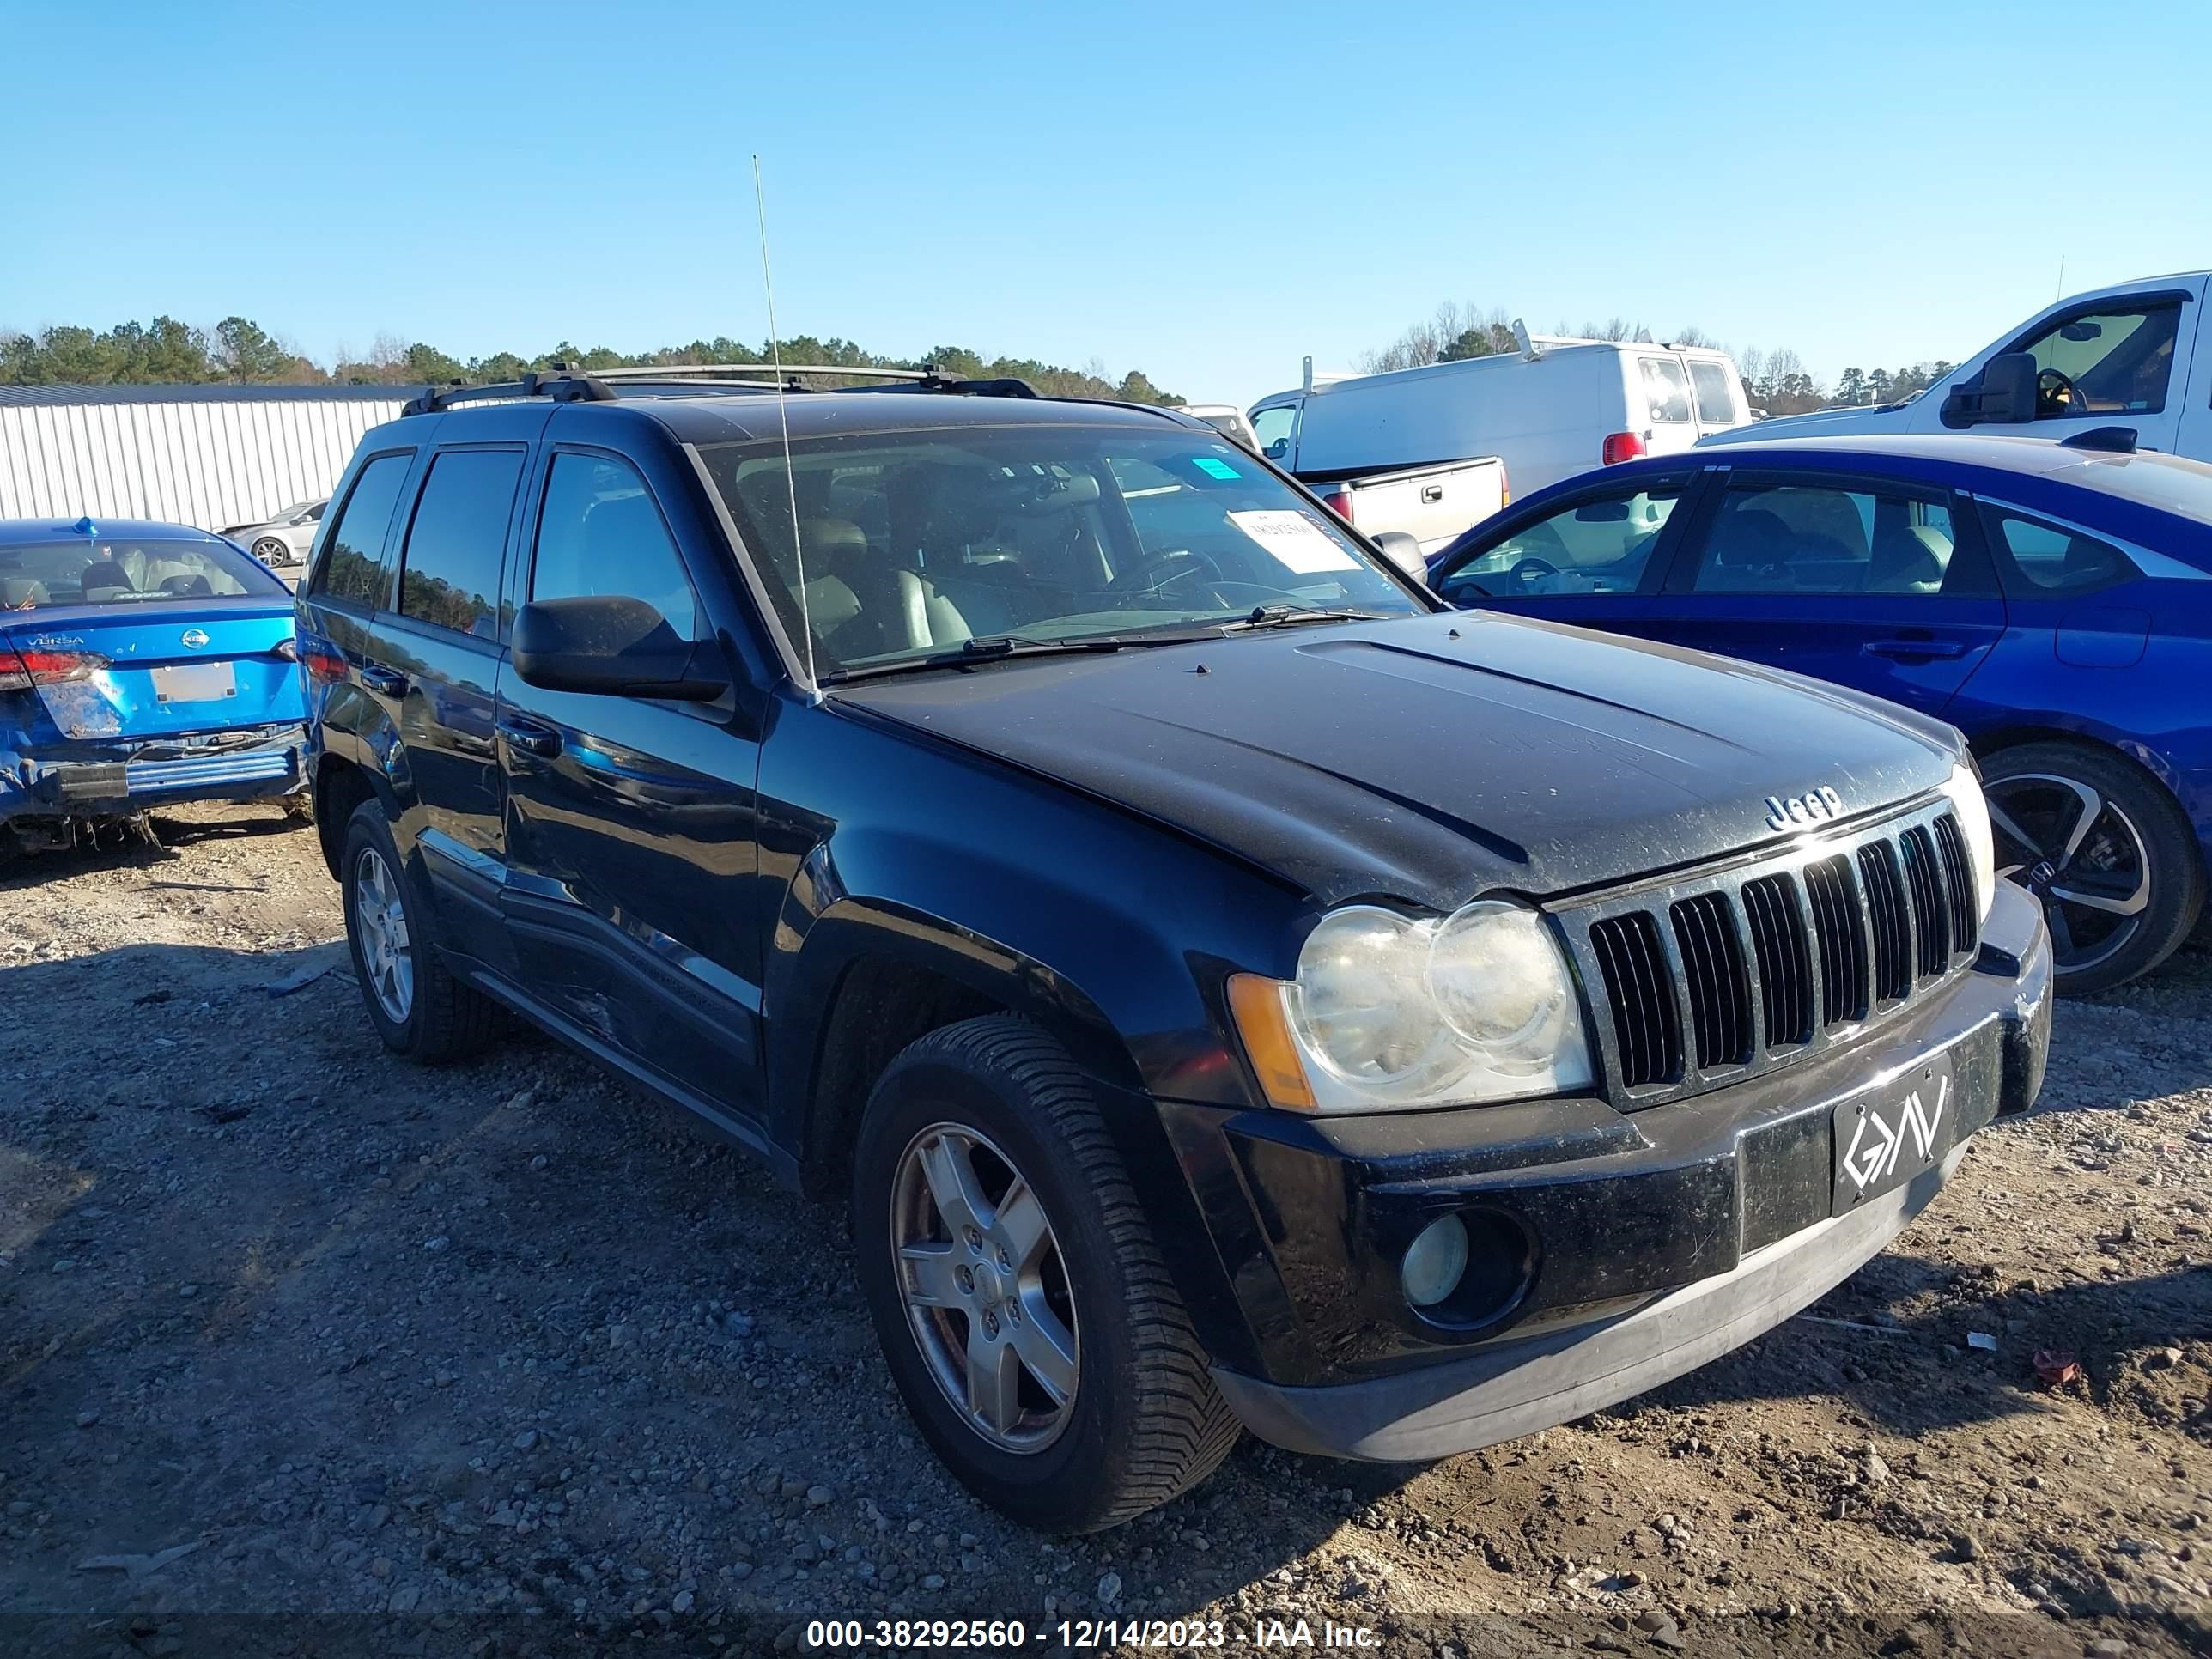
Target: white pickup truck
2136	356
1431	504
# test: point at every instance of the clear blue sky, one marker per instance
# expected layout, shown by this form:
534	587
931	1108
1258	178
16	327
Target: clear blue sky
1206	191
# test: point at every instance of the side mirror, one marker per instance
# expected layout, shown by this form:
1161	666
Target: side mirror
2003	391
1277	450
613	647
1405	552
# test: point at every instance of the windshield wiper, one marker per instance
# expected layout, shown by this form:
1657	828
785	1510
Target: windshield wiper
989	647
1280	615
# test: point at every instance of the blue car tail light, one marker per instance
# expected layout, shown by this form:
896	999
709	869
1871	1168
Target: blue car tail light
23	669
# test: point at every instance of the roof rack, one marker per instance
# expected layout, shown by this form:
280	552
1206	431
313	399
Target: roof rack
563	384
762	377
566	384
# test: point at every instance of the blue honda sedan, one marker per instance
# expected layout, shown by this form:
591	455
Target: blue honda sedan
2052	601
141	664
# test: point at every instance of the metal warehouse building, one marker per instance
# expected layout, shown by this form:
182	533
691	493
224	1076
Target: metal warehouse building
204	455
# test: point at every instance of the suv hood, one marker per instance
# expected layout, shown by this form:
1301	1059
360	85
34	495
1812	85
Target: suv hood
1434	757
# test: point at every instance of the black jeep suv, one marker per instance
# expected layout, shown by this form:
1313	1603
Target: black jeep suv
1230	988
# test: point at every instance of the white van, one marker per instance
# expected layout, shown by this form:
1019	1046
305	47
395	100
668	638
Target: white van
2135	358
1553	408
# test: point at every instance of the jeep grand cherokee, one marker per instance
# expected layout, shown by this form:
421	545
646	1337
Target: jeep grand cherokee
1231	989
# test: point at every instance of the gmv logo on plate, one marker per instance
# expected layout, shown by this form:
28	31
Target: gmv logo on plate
1869	1158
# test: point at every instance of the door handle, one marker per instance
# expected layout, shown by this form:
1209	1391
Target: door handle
1432	494
385	682
530	736
1916	650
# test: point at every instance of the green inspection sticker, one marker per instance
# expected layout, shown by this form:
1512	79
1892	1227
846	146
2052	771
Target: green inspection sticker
1214	469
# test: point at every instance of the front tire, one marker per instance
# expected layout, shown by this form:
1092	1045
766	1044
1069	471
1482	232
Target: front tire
2106	849
273	551
418	1007
1022	1303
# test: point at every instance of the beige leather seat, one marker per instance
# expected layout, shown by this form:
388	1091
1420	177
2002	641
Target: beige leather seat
860	604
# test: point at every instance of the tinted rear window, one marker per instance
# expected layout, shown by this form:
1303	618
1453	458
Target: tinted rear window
353	552
449	575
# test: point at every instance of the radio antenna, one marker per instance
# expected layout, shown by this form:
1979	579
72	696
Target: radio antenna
783	419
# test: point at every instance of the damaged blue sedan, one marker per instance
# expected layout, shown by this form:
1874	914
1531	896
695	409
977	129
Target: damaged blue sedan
141	664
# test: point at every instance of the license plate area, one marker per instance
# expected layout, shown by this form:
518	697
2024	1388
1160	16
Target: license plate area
195	681
1886	1135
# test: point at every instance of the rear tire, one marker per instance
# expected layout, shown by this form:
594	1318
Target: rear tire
2121	890
1140	1421
418	1007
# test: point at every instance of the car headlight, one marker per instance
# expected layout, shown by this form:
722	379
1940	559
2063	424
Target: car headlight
1964	792
1393	1011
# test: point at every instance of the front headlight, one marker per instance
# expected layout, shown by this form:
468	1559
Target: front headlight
1964	793
1390	1011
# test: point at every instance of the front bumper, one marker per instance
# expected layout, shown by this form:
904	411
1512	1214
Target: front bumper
1656	1240
120	779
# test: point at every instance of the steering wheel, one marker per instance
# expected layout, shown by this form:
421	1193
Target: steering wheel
2057	394
1531	567
1139	578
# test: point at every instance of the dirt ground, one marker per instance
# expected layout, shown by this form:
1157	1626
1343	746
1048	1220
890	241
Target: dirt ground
305	1351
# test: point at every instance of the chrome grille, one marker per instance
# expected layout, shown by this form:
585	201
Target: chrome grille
1720	975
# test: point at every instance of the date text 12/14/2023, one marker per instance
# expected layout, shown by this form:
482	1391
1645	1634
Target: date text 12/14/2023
1000	1635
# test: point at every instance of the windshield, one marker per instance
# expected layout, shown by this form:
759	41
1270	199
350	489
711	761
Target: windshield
93	571
916	542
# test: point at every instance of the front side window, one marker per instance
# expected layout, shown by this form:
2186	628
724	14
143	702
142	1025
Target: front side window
2050	559
1793	538
1600	545
912	543
2115	362
82	570
449	569
1273	427
1715	384
600	535
352	569
1666	391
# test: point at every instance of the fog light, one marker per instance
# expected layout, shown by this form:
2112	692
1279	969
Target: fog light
1435	1261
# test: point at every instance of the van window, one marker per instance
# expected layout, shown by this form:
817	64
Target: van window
449	573
1665	390
2115	362
1601	544
352	569
1273	427
1794	538
1715	393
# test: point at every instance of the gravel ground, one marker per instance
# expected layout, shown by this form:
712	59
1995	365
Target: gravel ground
304	1350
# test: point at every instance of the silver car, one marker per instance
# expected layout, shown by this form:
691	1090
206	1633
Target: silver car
284	536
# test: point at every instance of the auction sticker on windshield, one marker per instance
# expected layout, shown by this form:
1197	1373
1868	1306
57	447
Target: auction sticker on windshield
1300	544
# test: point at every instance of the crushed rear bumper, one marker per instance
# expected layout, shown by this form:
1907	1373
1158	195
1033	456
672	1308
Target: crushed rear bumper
117	779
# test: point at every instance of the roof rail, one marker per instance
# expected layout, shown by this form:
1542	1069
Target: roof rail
736	371
563	384
1005	385
763	376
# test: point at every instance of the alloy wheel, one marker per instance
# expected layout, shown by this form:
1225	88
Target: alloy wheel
269	551
2083	857
986	1287
381	915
